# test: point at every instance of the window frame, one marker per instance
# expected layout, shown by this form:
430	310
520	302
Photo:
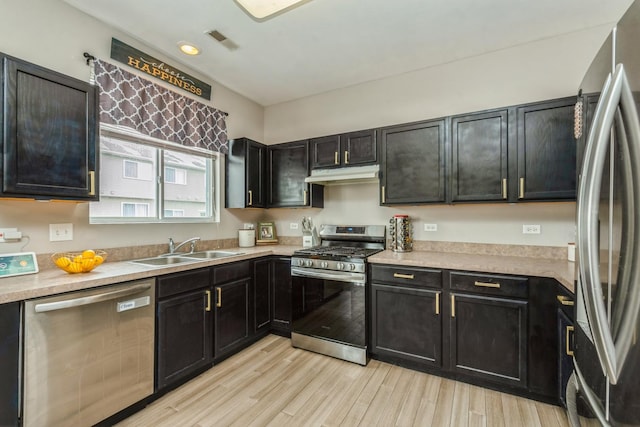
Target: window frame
212	179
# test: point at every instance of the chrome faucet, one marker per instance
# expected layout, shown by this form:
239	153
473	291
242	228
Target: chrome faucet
173	247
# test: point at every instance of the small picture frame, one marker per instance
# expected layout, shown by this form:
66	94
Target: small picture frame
266	233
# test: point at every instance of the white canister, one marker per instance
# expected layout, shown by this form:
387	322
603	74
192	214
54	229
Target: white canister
246	238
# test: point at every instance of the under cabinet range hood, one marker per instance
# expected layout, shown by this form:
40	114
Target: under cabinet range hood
341	176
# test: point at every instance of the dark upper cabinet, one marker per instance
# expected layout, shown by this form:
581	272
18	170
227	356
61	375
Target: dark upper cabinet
413	163
546	150
348	149
245	168
288	166
48	134
10	362
479	156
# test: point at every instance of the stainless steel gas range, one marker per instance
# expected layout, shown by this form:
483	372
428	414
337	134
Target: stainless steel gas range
329	296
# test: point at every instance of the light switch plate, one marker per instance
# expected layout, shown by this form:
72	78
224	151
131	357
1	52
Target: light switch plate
60	232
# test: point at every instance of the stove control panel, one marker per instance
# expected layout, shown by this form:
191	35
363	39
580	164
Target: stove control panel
355	266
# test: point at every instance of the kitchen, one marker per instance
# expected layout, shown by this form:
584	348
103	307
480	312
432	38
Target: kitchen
468	84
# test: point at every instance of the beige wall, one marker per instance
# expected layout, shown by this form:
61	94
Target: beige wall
52	34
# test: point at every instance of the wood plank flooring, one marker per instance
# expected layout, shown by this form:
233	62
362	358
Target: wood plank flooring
273	384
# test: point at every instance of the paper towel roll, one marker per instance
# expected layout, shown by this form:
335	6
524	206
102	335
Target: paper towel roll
246	238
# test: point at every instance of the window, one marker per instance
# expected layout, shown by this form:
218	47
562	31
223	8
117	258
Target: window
146	180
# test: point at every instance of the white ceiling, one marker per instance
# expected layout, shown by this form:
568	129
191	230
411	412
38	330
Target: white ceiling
330	44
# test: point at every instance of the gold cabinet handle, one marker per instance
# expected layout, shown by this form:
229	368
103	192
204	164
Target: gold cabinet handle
336	159
346	157
521	193
305	198
208	308
504	188
487	285
92	183
219	303
437	303
250	197
453	305
564	300
384	196
403	276
568	330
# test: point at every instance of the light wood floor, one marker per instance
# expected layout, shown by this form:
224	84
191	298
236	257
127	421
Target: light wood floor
273	384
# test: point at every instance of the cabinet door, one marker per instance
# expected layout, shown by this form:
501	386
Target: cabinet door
10	362
479	157
184	336
406	323
262	294
413	163
359	148
281	294
565	359
288	167
325	152
489	338
231	316
256	195
546	151
49	134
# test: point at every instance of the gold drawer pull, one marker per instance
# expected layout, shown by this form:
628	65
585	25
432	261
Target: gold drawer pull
346	157
219	291
208	308
521	193
504	188
305	198
487	285
565	300
336	160
438	304
403	276
453	305
250	197
568	330
92	183
384	196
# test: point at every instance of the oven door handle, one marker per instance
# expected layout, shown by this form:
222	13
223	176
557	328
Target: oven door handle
356	278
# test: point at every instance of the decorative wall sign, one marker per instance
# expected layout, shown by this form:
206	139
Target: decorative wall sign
139	60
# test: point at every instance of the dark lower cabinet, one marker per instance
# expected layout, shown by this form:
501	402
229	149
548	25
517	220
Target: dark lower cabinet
262	295
407	323
281	294
183	326
10	363
489	338
564	337
231	316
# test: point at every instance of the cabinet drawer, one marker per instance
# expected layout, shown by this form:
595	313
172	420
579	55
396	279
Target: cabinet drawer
229	272
406	276
173	284
489	284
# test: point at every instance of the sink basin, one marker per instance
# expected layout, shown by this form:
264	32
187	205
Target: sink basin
164	260
212	254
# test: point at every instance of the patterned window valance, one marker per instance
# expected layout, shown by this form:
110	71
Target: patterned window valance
131	101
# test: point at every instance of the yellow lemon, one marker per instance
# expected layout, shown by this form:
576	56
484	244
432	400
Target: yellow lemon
98	259
88	264
78	259
89	253
63	261
74	267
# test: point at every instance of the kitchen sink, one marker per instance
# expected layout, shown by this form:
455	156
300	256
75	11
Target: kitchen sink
164	260
212	254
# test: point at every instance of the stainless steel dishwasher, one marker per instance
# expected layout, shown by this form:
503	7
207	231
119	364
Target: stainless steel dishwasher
88	354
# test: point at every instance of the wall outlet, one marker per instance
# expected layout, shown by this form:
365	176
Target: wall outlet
9	235
293	226
60	232
531	229
431	227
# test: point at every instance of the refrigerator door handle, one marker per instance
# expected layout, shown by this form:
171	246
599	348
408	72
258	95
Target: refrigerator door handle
615	94
592	398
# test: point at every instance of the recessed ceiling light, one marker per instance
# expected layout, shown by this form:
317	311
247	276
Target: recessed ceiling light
264	9
188	48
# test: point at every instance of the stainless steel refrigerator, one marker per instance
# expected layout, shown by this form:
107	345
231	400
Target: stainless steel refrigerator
607	352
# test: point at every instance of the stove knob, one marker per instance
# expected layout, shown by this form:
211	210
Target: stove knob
352	267
324	264
308	263
339	266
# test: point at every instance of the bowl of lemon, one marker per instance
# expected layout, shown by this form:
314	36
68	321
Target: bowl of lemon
79	262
